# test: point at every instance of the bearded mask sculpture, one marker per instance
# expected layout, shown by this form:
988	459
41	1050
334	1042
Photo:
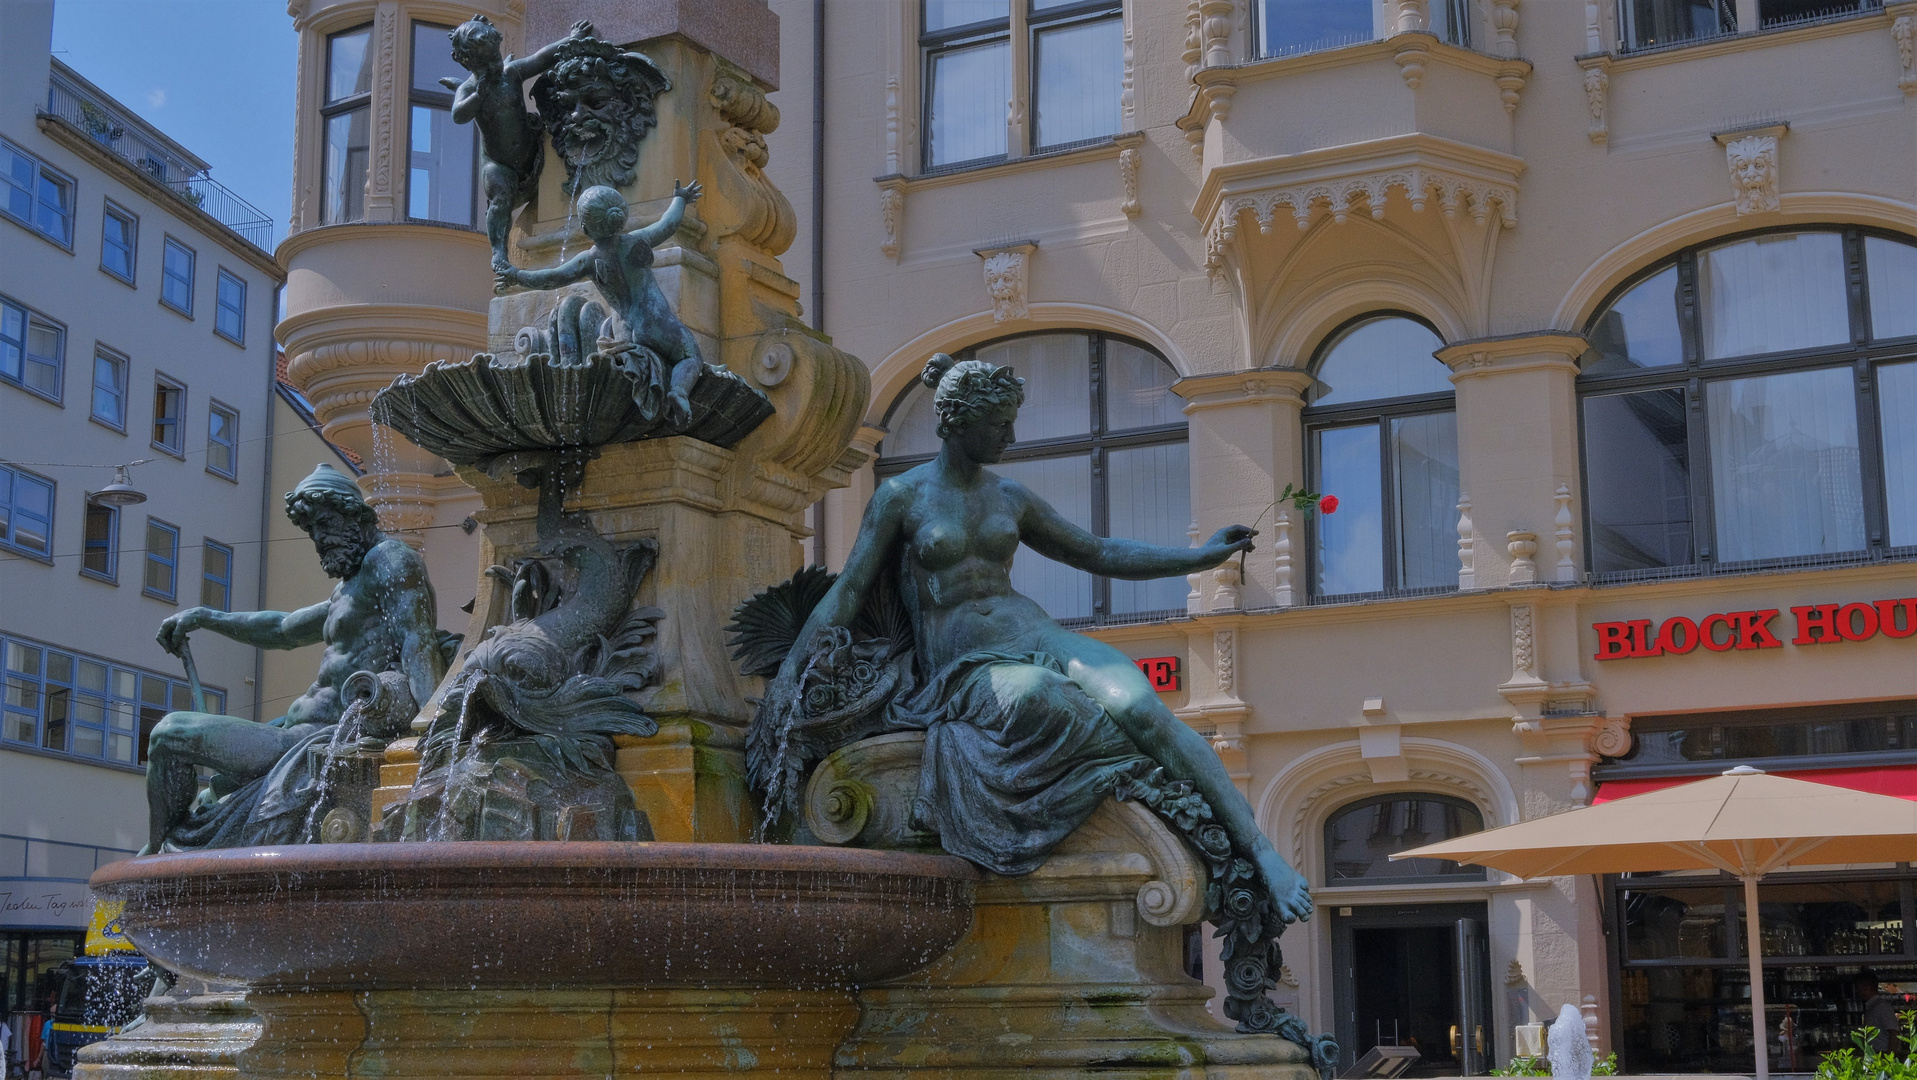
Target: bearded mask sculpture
598	103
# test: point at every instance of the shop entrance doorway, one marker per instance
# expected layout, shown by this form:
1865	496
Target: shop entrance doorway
1414	975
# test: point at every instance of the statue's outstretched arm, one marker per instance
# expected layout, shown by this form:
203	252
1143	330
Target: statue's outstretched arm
878	538
660	231
519	70
577	268
1046	531
260	629
412	613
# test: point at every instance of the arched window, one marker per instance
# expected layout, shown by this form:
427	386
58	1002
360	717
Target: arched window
1382	433
1103	439
1361	837
1749	403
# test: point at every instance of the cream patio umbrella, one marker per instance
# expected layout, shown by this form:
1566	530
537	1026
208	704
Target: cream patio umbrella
1744	822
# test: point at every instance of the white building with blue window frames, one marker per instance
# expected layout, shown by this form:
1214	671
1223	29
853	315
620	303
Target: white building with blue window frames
136	325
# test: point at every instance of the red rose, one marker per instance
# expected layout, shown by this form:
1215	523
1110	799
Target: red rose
1328	504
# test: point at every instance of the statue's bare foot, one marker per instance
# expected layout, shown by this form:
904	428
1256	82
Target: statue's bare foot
1288	888
678	410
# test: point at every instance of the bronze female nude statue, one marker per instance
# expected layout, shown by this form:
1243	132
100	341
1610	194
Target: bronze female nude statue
1026	722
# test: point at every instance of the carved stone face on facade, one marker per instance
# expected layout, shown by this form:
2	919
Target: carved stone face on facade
1753	165
1005	283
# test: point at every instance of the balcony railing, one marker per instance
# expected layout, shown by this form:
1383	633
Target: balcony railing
128	138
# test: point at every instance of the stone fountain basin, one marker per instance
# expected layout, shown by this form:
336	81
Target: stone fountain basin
482	915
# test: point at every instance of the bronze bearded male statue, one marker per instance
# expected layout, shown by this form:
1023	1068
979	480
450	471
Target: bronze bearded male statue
381	617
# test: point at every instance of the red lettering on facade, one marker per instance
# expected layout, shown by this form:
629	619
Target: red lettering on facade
1643	642
1887	623
1857	622
1707	635
1614	640
1816	624
1668	640
1754	629
1161	671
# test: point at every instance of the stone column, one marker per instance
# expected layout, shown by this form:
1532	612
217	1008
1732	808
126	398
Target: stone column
1246	445
1517	442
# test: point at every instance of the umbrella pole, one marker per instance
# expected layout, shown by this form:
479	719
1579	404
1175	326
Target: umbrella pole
1760	1051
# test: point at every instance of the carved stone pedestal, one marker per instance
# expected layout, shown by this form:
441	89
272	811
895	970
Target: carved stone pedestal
195	1031
538	1034
1076	968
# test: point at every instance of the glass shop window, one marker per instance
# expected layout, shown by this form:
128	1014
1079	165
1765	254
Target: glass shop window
1360	839
1721	418
1103	439
1382	435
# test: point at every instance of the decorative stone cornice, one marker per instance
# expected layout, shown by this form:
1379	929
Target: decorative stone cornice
1539	351
1423	168
1236	388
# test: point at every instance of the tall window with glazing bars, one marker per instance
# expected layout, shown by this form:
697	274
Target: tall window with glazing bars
442	157
1004	78
345	118
1752	403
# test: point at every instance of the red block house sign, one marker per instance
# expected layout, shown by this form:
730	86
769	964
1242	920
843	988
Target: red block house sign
1162	671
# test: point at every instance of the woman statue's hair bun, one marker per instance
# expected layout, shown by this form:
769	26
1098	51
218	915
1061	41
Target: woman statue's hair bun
935	369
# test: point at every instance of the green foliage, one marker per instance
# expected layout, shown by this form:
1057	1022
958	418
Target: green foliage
1862	1061
1537	1066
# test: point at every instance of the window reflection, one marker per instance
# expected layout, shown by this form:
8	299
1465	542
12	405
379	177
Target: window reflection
1786	441
1640	329
966	91
1637	478
1361	837
1772	294
1080	72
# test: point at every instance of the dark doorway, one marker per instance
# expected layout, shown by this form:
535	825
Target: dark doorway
1415	975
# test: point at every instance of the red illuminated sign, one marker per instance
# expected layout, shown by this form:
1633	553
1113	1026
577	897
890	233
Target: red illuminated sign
1816	624
1161	670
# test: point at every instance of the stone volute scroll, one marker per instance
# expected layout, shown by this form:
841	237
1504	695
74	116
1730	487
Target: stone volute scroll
1752	157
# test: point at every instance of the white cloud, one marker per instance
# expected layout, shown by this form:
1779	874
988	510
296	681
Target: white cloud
156	99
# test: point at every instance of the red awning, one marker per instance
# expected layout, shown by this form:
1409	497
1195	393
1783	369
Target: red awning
1897	780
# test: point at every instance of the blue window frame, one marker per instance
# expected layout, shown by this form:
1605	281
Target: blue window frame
100	554
86	706
216	576
222	441
38	197
32	350
109	389
119	243
26	512
176	272
229	321
162	580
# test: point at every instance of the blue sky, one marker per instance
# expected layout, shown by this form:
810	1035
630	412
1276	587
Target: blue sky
216	75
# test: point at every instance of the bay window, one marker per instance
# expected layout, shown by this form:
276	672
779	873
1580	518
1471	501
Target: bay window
1103	439
1382	435
1072	76
443	158
345	118
1745	404
1290	27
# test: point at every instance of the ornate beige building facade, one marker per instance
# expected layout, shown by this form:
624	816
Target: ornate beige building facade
1595	315
1658	251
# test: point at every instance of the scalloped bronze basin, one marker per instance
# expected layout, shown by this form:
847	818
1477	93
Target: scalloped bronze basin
483	915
